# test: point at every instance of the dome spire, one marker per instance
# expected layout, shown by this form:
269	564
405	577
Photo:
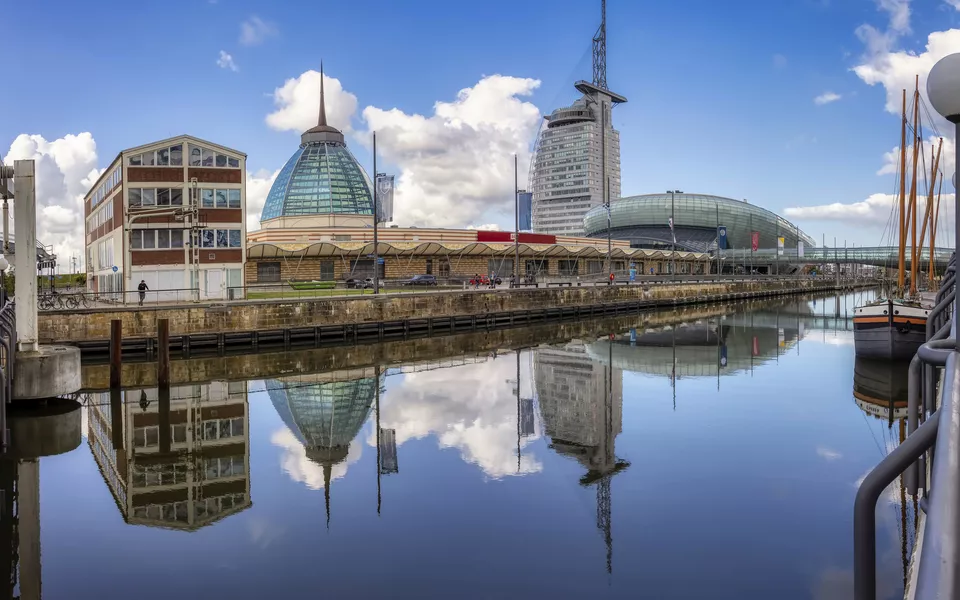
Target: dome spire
323	133
323	109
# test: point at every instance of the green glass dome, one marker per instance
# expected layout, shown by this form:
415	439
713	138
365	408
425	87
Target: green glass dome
321	178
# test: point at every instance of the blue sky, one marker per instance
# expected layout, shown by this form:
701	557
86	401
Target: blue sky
721	95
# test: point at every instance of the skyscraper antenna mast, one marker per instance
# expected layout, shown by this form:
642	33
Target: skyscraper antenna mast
600	49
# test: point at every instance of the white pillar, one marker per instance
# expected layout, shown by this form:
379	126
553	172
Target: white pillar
25	237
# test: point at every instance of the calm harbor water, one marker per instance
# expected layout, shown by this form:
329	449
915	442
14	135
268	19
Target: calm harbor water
718	458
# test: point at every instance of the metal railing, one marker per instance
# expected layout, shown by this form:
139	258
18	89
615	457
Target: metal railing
73	300
8	349
933	439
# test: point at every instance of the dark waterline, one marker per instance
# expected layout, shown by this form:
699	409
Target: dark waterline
714	459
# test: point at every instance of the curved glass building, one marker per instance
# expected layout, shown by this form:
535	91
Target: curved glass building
645	221
322	178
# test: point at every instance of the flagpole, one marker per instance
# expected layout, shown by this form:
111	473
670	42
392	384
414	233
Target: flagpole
376	254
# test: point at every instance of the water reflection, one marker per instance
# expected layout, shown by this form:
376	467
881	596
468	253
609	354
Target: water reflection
178	458
39	431
509	458
323	414
477	409
880	388
582	404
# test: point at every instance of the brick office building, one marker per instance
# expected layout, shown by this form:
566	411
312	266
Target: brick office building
171	213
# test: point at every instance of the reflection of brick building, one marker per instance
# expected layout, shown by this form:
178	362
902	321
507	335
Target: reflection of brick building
182	464
571	389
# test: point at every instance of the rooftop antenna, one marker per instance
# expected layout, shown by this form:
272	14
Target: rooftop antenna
600	49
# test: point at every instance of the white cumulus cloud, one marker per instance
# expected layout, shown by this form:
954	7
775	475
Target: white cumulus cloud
826	98
226	62
874	212
258	186
255	31
953	3
485	227
457	164
896	70
65	169
297	103
891	160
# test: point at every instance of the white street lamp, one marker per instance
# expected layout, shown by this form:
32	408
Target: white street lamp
943	89
4	265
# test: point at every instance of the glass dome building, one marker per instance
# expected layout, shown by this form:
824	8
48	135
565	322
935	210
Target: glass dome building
645	221
322	178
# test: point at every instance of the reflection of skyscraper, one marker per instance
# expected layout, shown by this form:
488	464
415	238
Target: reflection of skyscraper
582	404
570	389
181	462
324	414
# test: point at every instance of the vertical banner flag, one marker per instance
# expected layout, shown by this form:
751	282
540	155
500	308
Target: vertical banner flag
388	451
800	249
723	355
756	346
384	198
755	240
779	246
722	237
527	417
672	232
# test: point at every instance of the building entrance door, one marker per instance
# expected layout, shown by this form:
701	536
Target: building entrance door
214	283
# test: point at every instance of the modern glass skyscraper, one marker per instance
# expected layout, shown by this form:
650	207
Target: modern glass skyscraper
577	164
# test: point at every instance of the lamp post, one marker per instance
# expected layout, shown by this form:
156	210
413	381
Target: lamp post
673	233
943	89
376	217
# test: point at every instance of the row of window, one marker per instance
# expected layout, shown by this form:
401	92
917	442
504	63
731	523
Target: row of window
220	198
179	511
218	429
173	157
112	181
156	239
223	467
103	215
209	198
155	196
168	239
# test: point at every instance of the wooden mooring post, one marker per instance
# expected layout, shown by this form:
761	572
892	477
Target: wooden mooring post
116	339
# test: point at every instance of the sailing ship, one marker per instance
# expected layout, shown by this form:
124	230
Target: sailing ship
894	327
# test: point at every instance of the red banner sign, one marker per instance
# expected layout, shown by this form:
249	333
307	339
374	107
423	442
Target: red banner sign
755	240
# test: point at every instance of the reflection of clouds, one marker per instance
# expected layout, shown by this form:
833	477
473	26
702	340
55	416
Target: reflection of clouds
472	408
303	470
263	533
828	454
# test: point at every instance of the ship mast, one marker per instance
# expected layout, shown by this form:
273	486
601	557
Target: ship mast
913	192
928	211
903	173
933	231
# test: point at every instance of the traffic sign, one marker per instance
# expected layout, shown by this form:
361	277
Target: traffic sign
115	268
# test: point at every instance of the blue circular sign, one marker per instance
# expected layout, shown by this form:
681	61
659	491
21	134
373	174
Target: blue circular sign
115	269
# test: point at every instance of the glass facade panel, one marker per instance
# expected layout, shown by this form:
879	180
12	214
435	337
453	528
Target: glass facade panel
320	178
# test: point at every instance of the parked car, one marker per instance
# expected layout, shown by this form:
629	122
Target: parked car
421	280
360	284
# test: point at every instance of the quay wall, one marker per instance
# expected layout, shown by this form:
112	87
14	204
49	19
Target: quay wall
89	325
343	362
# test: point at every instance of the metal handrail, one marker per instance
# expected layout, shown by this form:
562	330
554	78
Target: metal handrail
938	574
938	556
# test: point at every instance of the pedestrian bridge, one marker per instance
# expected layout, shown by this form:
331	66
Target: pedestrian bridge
878	256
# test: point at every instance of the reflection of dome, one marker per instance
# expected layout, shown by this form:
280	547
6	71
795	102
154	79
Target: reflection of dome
324	417
321	178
